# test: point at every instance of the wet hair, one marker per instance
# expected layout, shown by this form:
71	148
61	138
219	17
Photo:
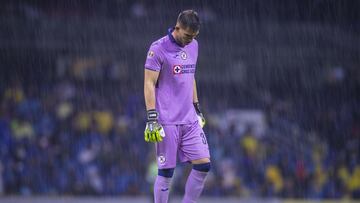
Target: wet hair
189	19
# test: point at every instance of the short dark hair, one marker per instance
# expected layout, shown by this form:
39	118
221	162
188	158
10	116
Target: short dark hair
189	19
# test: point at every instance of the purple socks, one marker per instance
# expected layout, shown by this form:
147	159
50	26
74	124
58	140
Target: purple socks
194	186
161	189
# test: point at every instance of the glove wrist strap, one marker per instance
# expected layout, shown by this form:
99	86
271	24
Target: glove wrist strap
197	107
152	115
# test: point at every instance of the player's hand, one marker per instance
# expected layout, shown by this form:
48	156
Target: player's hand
200	116
201	120
154	132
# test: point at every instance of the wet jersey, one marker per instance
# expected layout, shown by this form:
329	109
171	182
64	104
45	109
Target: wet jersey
176	65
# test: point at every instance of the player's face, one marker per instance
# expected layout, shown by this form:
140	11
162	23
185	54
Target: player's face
185	35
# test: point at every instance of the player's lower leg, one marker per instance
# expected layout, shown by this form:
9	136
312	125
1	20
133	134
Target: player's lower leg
162	185
195	182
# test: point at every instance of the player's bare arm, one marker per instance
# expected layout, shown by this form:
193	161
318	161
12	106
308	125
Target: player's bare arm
153	131
150	79
195	97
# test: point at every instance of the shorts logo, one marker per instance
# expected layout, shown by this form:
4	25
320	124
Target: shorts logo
151	54
177	69
183	55
161	159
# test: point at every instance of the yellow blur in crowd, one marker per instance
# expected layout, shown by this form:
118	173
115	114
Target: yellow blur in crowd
103	120
273	175
250	144
15	94
22	129
351	180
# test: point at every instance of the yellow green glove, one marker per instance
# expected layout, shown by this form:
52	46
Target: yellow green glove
154	132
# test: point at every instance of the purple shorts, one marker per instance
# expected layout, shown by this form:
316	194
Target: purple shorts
187	142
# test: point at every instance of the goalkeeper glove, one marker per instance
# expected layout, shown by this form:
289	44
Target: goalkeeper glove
154	132
200	116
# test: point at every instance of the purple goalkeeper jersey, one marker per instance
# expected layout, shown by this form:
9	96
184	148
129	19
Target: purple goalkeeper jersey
174	88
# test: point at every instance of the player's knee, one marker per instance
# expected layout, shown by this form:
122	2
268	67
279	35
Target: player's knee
167	173
204	167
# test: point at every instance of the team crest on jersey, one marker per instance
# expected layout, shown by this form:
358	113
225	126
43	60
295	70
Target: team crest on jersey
161	159
177	69
183	55
151	54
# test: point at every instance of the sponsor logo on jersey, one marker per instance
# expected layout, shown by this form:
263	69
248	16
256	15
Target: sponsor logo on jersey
184	69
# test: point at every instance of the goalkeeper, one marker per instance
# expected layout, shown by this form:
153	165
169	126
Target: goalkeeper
174	119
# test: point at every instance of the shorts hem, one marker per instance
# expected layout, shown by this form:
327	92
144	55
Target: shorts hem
177	123
189	160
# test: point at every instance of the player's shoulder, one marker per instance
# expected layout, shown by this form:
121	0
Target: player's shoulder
157	48
159	43
194	44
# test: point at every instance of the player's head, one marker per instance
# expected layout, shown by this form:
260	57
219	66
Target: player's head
187	26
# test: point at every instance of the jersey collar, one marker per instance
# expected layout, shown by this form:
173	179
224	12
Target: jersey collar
171	37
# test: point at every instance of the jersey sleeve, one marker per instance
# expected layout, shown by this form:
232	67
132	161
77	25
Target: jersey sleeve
154	59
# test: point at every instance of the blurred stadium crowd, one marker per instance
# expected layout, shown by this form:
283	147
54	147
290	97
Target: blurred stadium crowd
82	134
71	138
